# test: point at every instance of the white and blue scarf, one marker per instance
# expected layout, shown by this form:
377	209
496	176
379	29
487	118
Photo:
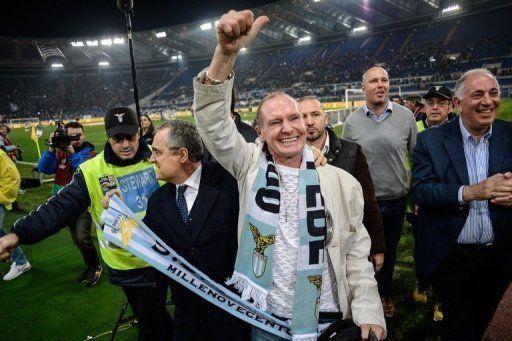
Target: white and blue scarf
253	275
126	230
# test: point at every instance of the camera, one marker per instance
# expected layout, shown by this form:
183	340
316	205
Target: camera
18	153
60	139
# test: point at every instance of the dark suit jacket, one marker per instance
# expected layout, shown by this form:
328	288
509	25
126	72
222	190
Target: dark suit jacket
438	170
247	131
209	242
349	156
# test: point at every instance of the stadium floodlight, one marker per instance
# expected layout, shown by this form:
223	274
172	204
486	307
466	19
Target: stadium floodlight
106	42
118	41
176	57
206	26
304	39
451	8
431	4
57	65
77	43
161	34
104	63
92	43
359	29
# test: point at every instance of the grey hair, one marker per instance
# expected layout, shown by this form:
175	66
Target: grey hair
184	134
266	99
460	85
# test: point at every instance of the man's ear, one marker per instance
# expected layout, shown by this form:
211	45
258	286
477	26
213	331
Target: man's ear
183	153
258	130
457	104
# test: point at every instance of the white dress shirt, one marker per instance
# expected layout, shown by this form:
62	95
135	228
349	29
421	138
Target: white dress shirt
192	182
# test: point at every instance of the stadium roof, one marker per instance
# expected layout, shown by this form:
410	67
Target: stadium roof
291	22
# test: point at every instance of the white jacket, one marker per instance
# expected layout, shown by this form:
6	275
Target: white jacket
349	246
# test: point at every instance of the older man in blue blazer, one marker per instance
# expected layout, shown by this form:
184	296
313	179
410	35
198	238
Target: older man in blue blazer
463	186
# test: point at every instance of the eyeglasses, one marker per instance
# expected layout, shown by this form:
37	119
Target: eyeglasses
441	103
121	137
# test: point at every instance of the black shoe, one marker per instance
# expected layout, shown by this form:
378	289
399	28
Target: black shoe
93	276
83	276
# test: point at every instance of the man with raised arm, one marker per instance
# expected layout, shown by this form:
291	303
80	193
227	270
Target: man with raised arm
303	250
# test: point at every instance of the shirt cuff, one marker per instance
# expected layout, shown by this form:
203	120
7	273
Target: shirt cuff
459	195
204	78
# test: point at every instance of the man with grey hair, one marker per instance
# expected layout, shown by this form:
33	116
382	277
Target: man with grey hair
195	214
462	183
387	132
302	248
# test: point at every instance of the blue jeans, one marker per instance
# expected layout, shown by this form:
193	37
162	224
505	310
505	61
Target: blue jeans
393	214
258	334
17	255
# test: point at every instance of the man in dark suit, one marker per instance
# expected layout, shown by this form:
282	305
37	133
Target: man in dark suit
248	132
196	214
463	186
348	156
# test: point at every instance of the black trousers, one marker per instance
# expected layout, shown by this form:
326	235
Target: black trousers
393	214
149	305
470	283
81	234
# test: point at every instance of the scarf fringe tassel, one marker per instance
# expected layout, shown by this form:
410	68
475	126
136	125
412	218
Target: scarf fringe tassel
248	290
306	337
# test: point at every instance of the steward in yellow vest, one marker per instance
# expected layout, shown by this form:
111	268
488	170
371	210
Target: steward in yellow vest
124	165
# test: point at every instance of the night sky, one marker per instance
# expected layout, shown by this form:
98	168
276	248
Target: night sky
78	18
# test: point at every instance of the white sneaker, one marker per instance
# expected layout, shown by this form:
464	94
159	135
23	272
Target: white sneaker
16	270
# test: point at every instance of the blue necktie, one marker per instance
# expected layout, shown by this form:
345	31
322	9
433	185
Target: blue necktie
182	203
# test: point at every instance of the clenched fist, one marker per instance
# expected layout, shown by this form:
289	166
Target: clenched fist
234	31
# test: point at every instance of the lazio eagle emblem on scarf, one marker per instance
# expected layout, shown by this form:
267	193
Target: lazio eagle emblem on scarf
316	280
127	226
259	260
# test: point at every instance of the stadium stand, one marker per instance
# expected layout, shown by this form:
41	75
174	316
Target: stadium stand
57	96
411	55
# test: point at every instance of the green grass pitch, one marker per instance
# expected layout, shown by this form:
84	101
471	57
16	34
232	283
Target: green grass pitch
47	303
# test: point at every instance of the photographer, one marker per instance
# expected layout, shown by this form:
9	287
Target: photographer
66	151
7	145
